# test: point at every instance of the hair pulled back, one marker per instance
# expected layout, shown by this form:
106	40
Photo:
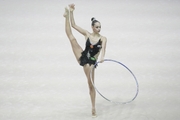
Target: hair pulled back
94	21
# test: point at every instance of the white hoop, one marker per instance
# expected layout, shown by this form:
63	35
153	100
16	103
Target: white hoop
137	85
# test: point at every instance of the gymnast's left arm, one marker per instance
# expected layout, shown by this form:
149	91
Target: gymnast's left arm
103	50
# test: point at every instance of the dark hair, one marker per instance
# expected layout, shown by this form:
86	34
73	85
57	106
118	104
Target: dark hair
93	21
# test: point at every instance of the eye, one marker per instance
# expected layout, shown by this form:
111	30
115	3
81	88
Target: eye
98	27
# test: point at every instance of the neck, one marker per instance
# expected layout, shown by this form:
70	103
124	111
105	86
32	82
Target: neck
95	34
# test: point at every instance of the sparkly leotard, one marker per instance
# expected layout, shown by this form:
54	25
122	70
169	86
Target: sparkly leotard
90	51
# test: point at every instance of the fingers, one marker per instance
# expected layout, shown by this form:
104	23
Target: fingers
101	61
71	5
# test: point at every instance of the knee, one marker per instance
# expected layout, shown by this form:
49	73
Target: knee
91	89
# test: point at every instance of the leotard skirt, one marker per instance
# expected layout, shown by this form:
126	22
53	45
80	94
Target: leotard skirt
85	60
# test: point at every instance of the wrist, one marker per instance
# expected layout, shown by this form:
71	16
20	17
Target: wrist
71	10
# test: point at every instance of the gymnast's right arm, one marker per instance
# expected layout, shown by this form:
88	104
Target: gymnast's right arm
73	24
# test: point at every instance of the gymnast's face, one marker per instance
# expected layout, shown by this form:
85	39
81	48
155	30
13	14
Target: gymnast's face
97	27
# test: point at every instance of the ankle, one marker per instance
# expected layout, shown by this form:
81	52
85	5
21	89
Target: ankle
94	113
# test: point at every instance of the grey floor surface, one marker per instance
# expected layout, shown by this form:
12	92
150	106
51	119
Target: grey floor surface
41	80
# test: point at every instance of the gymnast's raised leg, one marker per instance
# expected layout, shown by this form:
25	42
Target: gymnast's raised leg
75	46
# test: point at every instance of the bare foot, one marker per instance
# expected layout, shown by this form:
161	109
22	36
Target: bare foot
94	113
66	13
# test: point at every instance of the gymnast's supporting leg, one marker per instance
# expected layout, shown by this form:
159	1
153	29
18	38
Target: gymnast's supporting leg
92	92
75	46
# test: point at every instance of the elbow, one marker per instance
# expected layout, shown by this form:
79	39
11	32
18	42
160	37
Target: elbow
73	25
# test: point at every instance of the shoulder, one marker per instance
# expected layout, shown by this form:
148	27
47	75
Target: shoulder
103	39
88	34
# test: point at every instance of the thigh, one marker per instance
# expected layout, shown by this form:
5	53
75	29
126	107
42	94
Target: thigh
77	50
89	70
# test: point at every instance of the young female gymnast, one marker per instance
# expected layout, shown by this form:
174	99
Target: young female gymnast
94	44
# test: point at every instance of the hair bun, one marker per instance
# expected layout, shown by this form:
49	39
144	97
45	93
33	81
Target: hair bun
92	19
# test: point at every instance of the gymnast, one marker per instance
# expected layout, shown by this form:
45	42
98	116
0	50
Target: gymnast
95	43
